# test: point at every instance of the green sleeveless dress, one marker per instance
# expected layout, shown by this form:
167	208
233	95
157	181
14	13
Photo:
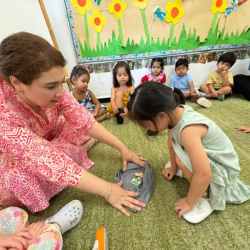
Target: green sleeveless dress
225	187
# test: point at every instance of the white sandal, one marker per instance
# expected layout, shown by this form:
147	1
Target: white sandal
68	217
200	212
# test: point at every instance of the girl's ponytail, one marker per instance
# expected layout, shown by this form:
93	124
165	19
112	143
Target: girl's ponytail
178	96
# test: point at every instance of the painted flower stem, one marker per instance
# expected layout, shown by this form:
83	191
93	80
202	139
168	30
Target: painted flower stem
145	22
171	35
86	28
120	32
98	40
214	21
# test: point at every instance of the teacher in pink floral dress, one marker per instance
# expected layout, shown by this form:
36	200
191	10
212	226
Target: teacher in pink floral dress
41	151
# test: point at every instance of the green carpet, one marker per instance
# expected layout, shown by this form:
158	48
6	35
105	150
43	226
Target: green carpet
157	227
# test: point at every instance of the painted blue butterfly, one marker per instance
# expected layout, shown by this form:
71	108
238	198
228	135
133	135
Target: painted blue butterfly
159	14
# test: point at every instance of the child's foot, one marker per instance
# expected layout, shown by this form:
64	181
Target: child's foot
101	239
221	98
179	171
201	211
204	102
103	117
118	117
90	143
68	216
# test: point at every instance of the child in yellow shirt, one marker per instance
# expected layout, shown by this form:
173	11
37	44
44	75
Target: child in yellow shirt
219	82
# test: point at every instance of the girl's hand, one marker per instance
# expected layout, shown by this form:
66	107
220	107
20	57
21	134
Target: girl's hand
94	114
169	173
120	197
243	128
129	156
125	113
18	240
35	229
182	207
115	109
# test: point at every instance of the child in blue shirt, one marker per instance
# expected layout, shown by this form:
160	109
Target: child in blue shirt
183	81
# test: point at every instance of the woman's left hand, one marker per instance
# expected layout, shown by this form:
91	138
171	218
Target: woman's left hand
182	207
129	156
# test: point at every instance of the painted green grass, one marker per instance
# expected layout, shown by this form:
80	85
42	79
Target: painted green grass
186	42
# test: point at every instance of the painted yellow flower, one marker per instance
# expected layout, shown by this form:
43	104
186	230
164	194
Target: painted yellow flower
117	7
174	12
82	5
142	4
97	20
218	5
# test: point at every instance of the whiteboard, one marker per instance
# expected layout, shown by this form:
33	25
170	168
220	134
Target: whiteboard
17	15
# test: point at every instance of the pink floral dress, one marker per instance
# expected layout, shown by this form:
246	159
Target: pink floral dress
38	160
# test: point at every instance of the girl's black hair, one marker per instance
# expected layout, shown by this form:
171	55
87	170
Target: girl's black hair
78	71
115	69
151	98
159	60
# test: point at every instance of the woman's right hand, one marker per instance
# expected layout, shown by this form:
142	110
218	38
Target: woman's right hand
18	240
120	197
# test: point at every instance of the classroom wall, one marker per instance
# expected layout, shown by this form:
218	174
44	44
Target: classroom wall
16	16
101	83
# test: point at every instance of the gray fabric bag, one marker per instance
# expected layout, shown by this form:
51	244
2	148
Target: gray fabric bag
145	188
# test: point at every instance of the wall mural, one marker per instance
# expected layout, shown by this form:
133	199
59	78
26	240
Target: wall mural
107	30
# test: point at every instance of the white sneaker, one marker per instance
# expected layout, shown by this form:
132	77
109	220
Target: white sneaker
200	211
68	216
204	102
179	171
101	239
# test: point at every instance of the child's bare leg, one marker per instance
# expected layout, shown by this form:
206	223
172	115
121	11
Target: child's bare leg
186	95
204	88
101	116
224	91
119	99
188	174
89	144
101	112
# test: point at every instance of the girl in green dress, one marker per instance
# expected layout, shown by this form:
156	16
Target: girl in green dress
198	149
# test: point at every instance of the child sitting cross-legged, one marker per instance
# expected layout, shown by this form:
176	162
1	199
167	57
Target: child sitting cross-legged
80	79
219	82
183	81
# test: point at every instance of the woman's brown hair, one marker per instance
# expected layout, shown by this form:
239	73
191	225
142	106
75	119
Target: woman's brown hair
26	56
